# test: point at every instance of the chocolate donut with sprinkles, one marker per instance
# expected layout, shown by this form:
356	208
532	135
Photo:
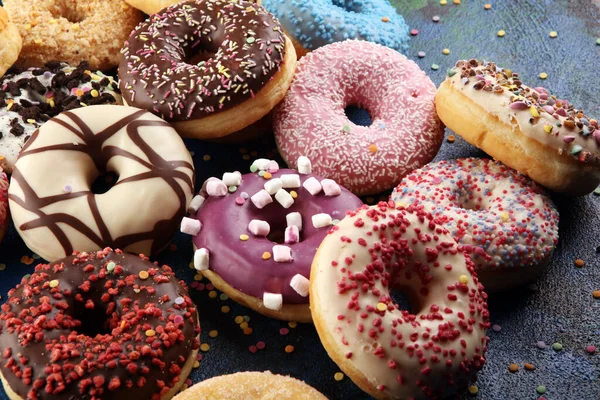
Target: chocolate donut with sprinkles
429	352
256	234
99	325
209	67
502	219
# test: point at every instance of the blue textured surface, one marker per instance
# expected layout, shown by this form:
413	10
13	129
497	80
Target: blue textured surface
316	23
557	307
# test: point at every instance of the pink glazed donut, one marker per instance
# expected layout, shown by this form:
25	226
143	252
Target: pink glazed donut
3	204
405	134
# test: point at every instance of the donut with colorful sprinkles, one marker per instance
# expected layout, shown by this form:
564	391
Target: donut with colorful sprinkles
320	22
256	234
405	133
429	352
503	220
209	67
99	325
528	129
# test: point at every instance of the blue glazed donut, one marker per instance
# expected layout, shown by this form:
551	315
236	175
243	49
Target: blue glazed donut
316	23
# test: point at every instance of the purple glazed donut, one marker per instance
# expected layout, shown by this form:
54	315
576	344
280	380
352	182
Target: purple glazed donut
256	263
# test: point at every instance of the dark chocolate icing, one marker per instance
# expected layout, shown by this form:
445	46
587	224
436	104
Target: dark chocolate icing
244	42
89	326
239	262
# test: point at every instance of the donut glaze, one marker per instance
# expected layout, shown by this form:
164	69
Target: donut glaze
240	263
51	200
248	47
502	218
320	22
29	98
405	133
101	325
389	352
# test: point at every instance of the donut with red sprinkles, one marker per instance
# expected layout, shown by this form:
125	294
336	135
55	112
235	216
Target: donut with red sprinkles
100	325
505	221
432	351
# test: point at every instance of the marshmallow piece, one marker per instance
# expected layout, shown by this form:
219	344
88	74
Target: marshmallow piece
304	165
292	234
232	179
273	185
190	226
321	220
284	198
259	228
330	187
262	163
290	181
261	199
273	166
195	204
201	259
282	253
300	284
294	219
216	187
312	185
272	301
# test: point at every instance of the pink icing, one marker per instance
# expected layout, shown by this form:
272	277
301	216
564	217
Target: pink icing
405	134
3	200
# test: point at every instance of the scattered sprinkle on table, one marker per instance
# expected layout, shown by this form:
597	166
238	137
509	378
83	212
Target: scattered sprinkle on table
2	267
212	294
252	349
501	33
196	364
541	389
451	138
421	54
596	294
436	18
338	376
557	346
284	331
487	6
443	2
261	345
529	367
598	41
543	75
590	349
414	32
225	309
446	51
579	263
473	389
435	67
597	191
213	334
513	367
541	344
206	157
456	2
496	328
553	34
239	319
204	347
292	324
289	348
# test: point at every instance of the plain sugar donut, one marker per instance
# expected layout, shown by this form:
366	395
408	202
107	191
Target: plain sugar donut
502	219
50	196
405	134
431	353
72	31
10	42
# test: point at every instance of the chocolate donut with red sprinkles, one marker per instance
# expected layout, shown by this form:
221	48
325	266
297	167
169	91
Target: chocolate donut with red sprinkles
99	325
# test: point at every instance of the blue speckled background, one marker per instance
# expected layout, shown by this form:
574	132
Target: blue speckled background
557	307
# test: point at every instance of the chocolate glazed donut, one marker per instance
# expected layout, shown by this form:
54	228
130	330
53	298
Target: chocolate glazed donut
101	325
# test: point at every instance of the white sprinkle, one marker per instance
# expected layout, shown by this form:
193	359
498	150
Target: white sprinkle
312	185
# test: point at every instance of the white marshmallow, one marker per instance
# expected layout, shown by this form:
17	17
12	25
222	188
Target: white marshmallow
292	234
195	204
290	181
321	220
216	187
330	187
300	284
272	301
304	165
312	185
273	185
262	163
284	198
295	219
282	253
261	199
190	226
259	228
201	259
232	179
212	178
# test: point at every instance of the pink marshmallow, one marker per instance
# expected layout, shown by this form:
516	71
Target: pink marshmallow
300	284
190	226
259	228
282	253
261	199
330	187
312	185
292	234
273	166
216	187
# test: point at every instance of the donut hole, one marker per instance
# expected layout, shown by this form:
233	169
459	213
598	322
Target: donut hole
403	300
198	56
93	321
104	182
201	50
61	9
358	115
276	236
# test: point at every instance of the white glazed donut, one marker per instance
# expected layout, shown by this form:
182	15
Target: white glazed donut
50	196
389	352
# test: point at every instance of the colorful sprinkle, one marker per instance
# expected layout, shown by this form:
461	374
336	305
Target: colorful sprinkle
338	376
443	2
501	33
244	237
266	255
179	300
204	347
529	367
385	19
590	349
436	18
553	34
463	279
473	389
487	6
53	283
596	294
284	331
150	333
513	367
543	75
451	138
541	345
373	148
381	306
557	346
110	267
496	328
213	334
446	51
421	54
289	348
144	275
292	324
579	263
225	309
435	67
414	32
261	345
541	389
